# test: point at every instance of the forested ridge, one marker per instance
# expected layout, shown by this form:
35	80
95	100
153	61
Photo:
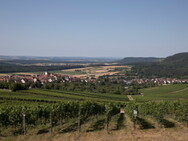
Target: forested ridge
172	66
12	66
137	60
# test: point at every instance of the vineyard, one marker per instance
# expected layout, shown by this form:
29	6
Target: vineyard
40	111
42	95
23	117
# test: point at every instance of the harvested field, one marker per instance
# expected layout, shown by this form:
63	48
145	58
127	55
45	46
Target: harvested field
94	71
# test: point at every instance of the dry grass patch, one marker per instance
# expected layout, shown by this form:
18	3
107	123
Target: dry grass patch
172	134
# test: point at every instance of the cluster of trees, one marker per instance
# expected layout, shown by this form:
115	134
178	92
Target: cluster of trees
14	86
100	86
97	87
94	87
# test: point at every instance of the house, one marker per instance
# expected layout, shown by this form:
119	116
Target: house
23	81
46	73
50	80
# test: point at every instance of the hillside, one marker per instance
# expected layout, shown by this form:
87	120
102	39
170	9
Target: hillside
172	66
136	60
180	59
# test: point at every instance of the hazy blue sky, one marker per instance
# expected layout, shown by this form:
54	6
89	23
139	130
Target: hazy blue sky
93	28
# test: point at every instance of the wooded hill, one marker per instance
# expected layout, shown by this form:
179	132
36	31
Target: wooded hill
136	60
16	66
172	66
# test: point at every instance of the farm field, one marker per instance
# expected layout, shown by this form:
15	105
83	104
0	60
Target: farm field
166	92
94	71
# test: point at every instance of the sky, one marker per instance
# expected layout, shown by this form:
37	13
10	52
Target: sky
93	28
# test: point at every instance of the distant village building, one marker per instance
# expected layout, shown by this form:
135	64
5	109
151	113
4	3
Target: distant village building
23	81
46	73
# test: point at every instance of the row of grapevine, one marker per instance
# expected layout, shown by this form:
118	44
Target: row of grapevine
159	110
40	114
12	115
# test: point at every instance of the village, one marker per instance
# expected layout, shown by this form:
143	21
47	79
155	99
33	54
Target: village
47	77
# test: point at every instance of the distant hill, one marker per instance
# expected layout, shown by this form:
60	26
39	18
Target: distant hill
136	60
177	58
38	59
172	66
9	64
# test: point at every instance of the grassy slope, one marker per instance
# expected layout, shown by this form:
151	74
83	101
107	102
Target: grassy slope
168	92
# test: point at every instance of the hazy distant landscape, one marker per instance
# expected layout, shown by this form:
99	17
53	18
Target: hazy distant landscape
79	90
172	66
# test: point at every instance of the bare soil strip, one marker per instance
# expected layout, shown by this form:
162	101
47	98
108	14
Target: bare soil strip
130	97
121	135
178	91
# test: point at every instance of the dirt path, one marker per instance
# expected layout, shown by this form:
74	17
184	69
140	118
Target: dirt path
130	97
178	91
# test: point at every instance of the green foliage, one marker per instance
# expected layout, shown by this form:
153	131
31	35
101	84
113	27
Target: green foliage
101	86
45	95
12	115
158	110
4	85
132	91
17	86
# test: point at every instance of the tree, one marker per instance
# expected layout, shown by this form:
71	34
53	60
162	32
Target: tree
17	86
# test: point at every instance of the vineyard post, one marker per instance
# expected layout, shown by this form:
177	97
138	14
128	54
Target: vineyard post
187	115
135	117
24	125
60	119
61	122
107	122
51	123
79	119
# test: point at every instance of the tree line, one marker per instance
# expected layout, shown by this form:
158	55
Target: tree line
101	85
